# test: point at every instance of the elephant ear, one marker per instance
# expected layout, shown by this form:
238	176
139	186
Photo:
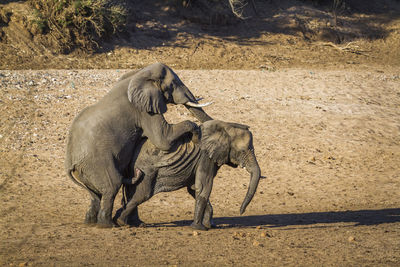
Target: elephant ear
215	142
145	94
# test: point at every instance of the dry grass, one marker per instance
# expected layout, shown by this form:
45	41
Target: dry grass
80	23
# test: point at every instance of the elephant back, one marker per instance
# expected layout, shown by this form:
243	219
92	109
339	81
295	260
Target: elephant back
177	160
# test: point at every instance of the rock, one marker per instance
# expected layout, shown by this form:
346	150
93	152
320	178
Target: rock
312	160
265	234
257	244
195	233
239	234
351	239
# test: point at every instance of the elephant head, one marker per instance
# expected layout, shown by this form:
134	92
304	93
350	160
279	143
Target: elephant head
232	144
153	87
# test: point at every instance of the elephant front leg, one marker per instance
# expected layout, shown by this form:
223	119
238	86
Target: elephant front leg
199	214
207	219
203	191
208	212
162	134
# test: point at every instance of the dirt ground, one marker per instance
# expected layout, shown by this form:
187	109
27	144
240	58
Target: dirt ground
326	123
328	142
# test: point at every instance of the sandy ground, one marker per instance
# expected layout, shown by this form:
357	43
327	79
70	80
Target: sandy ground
328	142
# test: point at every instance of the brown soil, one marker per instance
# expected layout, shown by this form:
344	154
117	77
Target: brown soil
326	124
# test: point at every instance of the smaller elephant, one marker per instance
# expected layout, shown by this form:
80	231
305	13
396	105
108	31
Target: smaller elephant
192	163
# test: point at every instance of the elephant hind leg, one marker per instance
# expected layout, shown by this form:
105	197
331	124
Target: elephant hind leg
94	207
144	191
132	218
109	190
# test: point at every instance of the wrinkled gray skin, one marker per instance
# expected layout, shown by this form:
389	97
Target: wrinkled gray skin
193	164
103	136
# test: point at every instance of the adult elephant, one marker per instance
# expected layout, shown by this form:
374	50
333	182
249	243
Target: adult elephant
102	137
192	164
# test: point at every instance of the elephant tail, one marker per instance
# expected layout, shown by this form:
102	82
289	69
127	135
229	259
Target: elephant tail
124	197
73	175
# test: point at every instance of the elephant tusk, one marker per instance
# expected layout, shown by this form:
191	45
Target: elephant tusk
199	99
196	105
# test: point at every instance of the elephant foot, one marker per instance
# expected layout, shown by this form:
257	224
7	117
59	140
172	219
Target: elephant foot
105	225
104	221
129	223
121	222
90	218
90	224
209	225
132	219
142	225
136	222
198	226
90	221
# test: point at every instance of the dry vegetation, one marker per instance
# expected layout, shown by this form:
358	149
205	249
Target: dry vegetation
198	35
70	24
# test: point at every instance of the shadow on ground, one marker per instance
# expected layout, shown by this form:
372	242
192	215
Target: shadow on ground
158	24
360	217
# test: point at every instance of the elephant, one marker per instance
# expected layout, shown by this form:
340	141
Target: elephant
103	136
193	163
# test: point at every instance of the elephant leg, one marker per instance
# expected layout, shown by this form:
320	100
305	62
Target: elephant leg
109	191
197	223
208	212
106	205
202	197
91	214
132	218
207	219
144	191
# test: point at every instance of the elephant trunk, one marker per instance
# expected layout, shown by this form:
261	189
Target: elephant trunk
254	169
199	114
184	96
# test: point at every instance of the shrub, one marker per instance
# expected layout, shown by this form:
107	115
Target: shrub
77	23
